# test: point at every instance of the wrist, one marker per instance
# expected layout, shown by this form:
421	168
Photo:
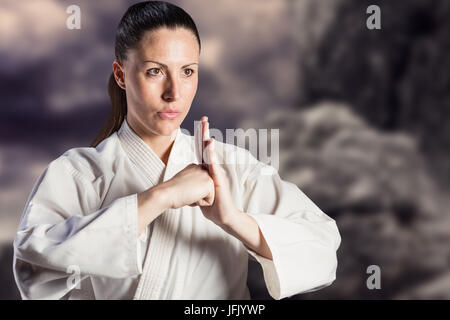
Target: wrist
162	195
232	220
151	204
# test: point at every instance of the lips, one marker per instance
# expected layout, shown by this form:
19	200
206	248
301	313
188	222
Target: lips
169	114
169	111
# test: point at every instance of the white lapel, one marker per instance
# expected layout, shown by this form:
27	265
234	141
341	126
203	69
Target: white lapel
145	159
151	166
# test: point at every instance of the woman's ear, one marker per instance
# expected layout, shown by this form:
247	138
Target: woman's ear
119	74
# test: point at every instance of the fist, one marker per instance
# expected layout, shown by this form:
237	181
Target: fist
192	186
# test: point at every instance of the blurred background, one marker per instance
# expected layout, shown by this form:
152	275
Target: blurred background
363	117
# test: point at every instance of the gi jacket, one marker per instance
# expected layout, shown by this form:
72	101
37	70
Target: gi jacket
78	238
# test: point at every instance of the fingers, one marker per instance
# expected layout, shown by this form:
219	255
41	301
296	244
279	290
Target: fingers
205	130
205	137
211	156
207	201
216	172
198	135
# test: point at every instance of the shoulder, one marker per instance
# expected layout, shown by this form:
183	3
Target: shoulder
91	163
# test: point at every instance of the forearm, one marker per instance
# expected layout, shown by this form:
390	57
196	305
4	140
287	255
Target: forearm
151	203
245	228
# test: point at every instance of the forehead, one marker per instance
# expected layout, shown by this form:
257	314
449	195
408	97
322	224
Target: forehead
168	46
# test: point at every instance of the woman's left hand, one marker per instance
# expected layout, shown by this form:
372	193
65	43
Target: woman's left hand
222	210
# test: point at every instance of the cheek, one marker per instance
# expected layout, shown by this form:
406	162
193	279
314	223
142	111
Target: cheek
189	90
148	92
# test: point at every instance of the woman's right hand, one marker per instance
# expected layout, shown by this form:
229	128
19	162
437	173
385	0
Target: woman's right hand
191	186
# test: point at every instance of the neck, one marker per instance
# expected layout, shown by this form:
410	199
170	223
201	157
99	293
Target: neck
161	145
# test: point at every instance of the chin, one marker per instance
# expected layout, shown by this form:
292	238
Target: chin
166	129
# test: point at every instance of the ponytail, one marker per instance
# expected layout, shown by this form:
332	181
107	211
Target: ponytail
117	112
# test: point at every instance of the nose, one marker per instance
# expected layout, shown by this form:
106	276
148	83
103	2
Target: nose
171	89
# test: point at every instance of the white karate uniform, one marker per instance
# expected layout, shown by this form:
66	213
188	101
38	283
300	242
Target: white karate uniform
78	239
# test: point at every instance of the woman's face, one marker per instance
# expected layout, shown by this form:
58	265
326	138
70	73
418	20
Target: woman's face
159	76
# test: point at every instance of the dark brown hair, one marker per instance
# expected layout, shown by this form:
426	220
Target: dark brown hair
139	18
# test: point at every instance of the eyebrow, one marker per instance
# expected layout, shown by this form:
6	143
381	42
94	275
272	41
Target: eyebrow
165	66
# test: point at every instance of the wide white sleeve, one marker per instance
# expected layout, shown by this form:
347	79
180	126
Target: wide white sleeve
303	239
62	232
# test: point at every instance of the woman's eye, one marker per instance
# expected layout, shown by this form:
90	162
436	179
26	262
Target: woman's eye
189	73
154	71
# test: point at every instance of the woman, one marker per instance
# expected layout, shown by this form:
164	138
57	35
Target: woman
141	215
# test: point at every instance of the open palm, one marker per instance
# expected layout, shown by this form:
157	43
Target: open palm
223	207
